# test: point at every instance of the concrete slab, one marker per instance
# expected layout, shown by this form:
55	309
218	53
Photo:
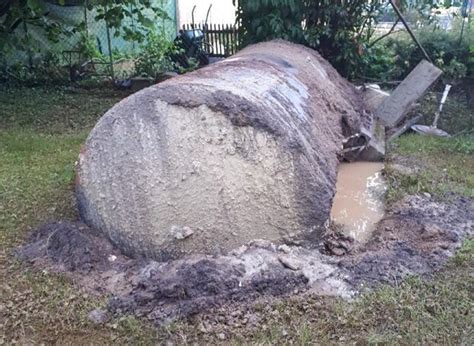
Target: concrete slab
393	109
367	145
374	96
375	148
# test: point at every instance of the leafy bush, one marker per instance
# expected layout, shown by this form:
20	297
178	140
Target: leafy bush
155	55
470	62
394	57
343	32
24	25
116	13
46	71
337	29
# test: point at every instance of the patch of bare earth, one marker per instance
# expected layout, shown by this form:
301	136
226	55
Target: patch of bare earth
417	236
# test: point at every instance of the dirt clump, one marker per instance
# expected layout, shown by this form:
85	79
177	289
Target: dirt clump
338	244
417	236
200	286
164	291
69	245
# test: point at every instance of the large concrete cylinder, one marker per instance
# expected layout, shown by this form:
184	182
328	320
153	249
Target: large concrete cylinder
240	150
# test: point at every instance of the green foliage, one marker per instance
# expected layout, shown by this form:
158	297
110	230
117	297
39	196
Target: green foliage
46	71
343	32
155	55
20	18
337	29
379	64
17	15
470	62
144	13
394	57
263	20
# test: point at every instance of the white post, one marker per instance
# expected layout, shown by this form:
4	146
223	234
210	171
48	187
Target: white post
178	15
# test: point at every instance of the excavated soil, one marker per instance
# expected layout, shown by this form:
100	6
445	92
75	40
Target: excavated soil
416	236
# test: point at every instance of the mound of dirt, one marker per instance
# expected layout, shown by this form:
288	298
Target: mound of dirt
417	236
71	246
168	290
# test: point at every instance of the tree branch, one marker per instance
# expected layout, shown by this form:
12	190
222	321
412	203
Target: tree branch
385	35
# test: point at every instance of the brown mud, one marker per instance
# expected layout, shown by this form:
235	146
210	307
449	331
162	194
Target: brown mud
358	204
417	236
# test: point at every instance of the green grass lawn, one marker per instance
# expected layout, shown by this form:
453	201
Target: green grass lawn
447	166
41	132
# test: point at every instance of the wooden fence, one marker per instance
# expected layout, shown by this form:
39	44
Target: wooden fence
221	39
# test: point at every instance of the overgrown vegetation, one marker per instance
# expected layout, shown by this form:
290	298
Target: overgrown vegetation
40	136
155	56
345	33
337	29
392	58
26	25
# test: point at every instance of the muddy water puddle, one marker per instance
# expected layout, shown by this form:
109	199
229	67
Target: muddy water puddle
358	204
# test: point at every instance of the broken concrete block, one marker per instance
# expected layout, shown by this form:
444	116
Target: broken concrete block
375	148
367	145
289	263
242	149
373	97
393	109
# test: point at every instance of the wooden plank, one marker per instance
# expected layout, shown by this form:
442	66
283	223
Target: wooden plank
219	43
213	41
208	40
216	41
393	108
226	40
221	38
235	39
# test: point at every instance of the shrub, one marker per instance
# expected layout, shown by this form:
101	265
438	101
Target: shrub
394	57
155	56
337	29
470	62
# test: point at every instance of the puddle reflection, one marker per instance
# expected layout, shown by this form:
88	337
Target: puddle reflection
358	204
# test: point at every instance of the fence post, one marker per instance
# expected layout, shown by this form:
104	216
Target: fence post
109	44
221	39
86	26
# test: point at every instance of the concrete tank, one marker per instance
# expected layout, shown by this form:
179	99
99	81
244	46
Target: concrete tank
240	150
